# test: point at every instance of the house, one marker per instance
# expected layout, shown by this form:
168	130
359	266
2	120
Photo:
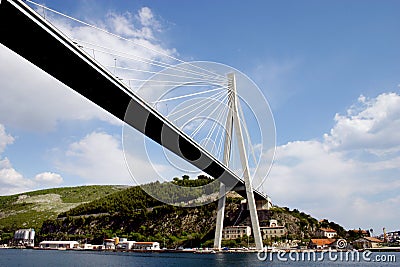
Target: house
58	245
326	232
321	243
367	242
273	230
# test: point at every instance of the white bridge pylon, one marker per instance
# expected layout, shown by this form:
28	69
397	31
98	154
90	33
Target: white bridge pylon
233	123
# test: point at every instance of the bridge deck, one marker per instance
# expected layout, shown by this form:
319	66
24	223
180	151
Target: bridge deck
26	33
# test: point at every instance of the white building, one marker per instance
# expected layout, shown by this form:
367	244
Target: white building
91	247
273	230
146	245
125	245
109	243
326	232
24	237
367	242
58	244
233	232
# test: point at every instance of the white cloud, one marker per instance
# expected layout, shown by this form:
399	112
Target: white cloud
148	20
12	181
371	124
97	158
5	139
138	47
146	16
38	102
49	178
352	175
122	25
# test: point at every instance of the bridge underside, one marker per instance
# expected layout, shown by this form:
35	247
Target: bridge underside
33	38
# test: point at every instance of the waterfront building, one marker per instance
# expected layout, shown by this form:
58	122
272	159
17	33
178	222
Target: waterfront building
273	230
391	237
146	245
24	237
59	245
109	243
125	244
233	232
367	242
267	232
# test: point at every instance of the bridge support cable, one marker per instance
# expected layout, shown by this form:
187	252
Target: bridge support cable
195	107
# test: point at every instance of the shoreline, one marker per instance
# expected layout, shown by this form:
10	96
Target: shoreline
209	251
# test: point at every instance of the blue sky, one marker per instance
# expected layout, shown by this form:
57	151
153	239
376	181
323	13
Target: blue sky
329	69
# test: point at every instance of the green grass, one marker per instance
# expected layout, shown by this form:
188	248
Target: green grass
31	209
79	194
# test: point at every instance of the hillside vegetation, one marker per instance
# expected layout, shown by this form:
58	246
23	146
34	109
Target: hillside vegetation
31	209
92	213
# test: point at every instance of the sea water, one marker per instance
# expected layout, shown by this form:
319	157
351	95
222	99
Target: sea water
29	257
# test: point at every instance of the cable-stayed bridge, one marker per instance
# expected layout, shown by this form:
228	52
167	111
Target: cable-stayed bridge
31	36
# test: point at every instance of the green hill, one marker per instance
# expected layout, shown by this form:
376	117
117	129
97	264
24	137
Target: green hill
31	209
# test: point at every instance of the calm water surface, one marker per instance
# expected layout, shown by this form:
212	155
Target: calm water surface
14	257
